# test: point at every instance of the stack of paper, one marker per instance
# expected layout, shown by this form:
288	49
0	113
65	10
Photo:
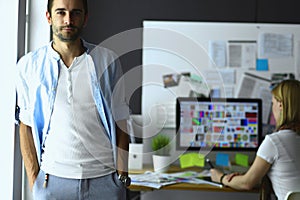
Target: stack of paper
152	179
157	180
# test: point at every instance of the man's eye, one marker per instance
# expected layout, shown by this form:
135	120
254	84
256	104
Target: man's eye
76	13
60	13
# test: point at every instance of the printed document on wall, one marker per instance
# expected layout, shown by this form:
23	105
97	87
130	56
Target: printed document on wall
298	60
242	54
217	53
252	86
274	45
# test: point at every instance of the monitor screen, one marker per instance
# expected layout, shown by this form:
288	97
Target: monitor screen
218	123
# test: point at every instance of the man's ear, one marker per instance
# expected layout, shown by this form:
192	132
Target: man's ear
86	20
48	16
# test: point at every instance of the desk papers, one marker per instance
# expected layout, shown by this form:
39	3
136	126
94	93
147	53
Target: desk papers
157	180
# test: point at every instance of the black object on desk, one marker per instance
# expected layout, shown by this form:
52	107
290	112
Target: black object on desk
210	164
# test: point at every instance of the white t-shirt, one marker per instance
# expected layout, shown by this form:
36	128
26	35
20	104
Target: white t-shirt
77	145
282	149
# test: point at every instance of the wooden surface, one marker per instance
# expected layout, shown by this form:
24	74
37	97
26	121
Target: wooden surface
182	186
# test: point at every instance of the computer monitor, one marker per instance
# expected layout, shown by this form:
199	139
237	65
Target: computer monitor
218	124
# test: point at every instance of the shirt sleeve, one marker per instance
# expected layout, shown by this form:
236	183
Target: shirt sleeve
120	109
108	69
22	87
267	150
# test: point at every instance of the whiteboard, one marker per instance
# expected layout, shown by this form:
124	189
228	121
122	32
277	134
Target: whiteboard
173	47
178	47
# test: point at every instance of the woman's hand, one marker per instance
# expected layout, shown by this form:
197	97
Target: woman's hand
230	176
216	175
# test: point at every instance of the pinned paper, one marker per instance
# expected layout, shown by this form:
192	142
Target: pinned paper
262	65
222	159
191	160
242	159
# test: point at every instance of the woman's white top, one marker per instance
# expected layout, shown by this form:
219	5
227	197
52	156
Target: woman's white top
282	150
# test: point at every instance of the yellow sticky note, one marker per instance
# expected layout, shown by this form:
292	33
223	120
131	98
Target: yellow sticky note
185	161
198	160
191	159
242	159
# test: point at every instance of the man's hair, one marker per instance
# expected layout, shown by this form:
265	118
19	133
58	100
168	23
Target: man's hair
288	93
50	4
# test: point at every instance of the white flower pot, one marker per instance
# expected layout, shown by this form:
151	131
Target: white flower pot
161	163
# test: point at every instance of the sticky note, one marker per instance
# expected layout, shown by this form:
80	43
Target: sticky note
195	77
191	159
262	65
242	159
198	160
185	161
222	159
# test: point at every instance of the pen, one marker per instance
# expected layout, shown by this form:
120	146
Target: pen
214	184
210	164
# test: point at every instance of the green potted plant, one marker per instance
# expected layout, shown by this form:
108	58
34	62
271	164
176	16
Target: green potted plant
161	147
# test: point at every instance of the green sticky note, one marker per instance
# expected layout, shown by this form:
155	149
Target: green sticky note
195	77
191	159
242	159
198	160
185	161
187	174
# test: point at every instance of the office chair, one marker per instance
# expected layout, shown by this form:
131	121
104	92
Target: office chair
266	191
292	195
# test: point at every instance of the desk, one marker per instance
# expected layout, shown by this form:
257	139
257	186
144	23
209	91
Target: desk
183	186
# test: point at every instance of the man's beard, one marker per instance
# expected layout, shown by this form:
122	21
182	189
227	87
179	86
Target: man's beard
67	37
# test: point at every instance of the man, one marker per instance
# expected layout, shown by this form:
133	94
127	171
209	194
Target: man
73	113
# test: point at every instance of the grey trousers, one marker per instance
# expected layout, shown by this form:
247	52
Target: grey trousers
108	187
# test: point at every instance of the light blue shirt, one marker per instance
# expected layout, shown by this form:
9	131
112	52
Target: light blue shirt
37	80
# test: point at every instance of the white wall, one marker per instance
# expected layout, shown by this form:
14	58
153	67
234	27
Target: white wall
39	31
8	52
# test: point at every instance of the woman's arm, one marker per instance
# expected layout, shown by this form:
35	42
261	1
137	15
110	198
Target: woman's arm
246	181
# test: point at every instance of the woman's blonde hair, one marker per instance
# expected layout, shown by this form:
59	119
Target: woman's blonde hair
288	93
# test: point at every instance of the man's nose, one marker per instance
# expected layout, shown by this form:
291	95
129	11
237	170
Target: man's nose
68	18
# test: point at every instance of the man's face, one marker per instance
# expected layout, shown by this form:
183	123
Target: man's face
67	18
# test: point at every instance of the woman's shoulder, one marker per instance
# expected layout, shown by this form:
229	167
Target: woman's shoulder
282	132
281	135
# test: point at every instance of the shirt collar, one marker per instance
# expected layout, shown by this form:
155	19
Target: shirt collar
86	46
56	55
52	52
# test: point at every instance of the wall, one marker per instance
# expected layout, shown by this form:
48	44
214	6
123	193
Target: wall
37	34
108	18
8	41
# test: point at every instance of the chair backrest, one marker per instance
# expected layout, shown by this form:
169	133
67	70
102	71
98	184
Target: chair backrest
293	195
266	190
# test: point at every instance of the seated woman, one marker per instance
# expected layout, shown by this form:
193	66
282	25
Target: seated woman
278	155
